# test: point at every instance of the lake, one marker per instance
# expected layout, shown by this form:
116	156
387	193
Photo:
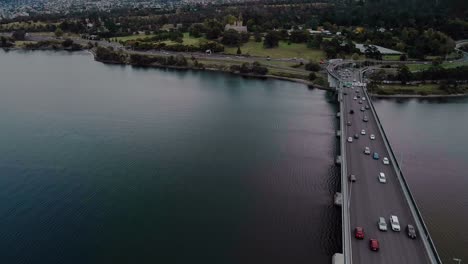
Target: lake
114	164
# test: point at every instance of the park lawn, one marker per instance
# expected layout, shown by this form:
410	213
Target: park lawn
134	37
187	40
446	65
412	89
294	50
391	57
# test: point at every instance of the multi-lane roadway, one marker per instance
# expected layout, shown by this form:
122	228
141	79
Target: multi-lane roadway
368	198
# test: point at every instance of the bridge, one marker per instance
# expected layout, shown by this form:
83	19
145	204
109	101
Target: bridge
365	200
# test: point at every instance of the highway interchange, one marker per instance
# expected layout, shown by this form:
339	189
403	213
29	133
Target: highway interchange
370	199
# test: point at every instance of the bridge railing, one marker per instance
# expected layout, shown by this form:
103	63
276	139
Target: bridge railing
345	218
422	226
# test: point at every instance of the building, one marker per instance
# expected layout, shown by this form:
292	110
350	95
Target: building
238	25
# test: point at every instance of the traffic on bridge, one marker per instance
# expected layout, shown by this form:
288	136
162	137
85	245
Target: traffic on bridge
381	222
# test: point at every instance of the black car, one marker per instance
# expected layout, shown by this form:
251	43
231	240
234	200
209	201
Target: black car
356	136
411	231
351	111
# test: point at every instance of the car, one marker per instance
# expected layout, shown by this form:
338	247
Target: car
356	136
352	178
374	244
350	139
386	161
359	232
362	109
367	151
345	93
351	111
382	178
394	223
372	137
365	119
349	123
382	224
375	156
360	102
411	231
363	98
367	106
354	98
363	132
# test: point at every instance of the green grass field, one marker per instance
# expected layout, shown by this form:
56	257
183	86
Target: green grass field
422	89
282	51
446	65
391	57
134	37
187	40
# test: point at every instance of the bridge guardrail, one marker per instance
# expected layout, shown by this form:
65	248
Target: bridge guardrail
435	256
345	219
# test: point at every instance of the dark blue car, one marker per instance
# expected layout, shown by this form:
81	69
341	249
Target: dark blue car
376	156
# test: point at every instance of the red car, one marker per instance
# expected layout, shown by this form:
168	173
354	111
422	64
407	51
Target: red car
374	244
359	232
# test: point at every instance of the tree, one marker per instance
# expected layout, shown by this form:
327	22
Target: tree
299	36
231	38
67	43
271	40
404	74
19	35
257	36
372	52
196	30
403	57
239	52
312	66
58	33
213	28
312	76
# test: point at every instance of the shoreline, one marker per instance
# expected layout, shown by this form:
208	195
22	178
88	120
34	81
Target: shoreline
409	96
309	84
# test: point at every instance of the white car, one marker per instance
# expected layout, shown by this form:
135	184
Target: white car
367	151
363	98
372	136
382	224
386	161
350	139
382	178
363	132
395	223
355	98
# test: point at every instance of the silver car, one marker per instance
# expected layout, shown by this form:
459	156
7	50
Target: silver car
382	224
367	151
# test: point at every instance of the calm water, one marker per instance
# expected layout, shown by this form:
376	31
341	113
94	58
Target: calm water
111	164
430	137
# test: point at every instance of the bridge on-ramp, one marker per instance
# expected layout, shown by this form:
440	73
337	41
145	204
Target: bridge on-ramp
366	199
